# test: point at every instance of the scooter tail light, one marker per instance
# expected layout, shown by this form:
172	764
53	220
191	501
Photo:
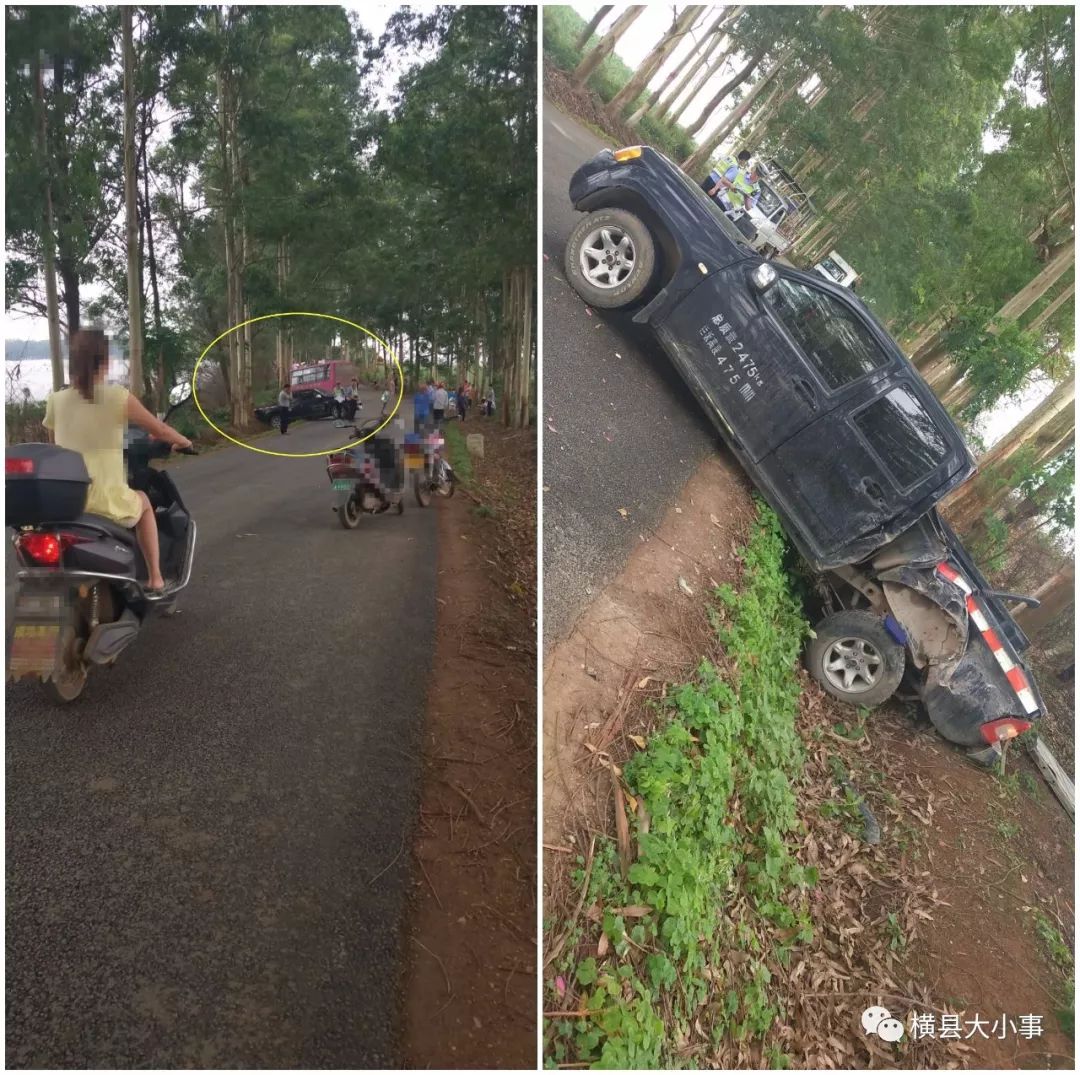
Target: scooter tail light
18	466
999	731
47	549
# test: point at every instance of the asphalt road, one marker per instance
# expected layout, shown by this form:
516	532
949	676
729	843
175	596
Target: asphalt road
207	855
621	430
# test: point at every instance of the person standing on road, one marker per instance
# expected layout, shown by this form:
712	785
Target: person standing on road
462	401
731	187
284	401
489	402
339	401
439	404
350	394
385	400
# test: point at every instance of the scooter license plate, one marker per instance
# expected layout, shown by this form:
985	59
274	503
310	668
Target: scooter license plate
414	462
343	485
33	650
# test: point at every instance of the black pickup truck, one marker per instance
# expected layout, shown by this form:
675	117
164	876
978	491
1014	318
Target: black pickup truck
836	428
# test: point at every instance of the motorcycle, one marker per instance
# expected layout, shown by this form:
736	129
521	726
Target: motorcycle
437	476
82	597
354	475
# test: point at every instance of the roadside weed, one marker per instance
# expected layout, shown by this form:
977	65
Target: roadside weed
715	875
457	453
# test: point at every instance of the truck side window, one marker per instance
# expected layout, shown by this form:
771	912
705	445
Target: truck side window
903	435
839	346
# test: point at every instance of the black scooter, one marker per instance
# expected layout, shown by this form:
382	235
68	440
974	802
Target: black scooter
82	579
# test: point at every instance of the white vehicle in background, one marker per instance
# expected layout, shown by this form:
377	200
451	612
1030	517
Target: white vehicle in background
833	267
782	210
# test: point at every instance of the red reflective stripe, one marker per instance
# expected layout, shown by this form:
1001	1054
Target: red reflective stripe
947	571
1017	679
992	639
971	606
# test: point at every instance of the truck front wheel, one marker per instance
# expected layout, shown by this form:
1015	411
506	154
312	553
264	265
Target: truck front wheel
855	659
610	258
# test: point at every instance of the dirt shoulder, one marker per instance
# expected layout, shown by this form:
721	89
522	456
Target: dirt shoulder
963	908
470	986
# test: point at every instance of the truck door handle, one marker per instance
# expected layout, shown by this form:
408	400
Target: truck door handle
873	490
806	390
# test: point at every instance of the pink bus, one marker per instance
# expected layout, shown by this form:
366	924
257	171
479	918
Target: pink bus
324	375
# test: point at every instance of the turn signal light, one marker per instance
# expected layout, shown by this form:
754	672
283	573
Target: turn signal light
997	731
627	154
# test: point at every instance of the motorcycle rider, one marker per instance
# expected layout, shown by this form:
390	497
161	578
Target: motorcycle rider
90	418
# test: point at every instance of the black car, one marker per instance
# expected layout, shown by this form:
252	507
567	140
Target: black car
835	427
306	403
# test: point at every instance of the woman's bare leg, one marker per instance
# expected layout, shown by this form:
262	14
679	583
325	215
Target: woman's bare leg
147	535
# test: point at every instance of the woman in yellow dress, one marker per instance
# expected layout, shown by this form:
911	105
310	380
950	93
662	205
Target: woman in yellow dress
90	418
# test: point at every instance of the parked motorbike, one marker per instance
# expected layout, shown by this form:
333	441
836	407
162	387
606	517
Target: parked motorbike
355	476
81	598
435	477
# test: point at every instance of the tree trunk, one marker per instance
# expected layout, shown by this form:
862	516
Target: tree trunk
653	61
1041	429
282	367
733	83
1044	315
679	102
518	287
48	237
1058	264
1056	595
162	388
592	60
690	63
663	103
736	118
592	24
227	227
135	339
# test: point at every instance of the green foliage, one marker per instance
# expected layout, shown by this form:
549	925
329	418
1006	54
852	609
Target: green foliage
716	781
457	453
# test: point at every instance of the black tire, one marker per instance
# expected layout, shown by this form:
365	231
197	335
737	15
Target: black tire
877	660
423	496
71	682
641	250
349	513
275	421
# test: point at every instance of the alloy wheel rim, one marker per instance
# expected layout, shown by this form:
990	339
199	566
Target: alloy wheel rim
607	257
853	665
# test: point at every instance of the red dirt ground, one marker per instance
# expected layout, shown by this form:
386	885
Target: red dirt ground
471	985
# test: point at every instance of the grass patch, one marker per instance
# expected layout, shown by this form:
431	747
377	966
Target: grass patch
457	453
716	893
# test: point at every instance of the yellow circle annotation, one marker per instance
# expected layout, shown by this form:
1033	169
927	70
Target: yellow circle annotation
299	313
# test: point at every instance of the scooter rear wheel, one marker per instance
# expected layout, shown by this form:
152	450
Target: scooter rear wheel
349	513
68	683
421	490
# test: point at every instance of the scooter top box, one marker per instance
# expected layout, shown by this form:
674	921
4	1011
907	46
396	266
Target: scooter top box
44	484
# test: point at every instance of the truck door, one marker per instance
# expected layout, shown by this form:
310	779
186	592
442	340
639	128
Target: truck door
769	365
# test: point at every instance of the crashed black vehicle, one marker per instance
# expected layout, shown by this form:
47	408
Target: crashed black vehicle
838	431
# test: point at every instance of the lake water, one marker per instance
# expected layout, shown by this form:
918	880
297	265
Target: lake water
35	374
